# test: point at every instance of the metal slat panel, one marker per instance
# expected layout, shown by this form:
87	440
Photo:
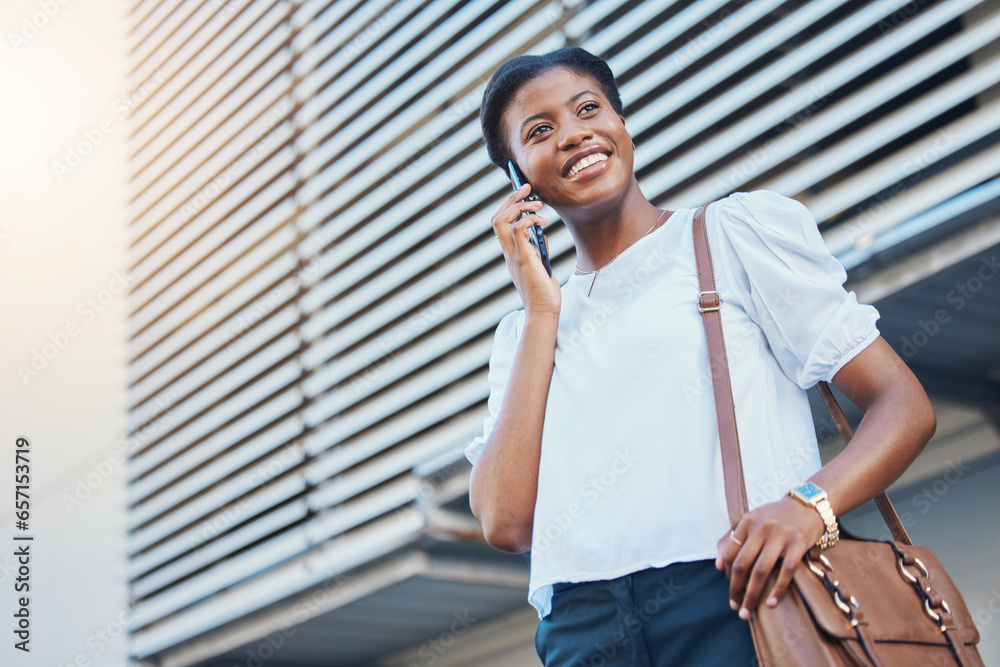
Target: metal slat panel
212	120
204	439
313	19
151	230
891	126
269	427
253	507
385	351
339	81
289	543
218	378
231	255
167	150
404	424
238	299
784	107
224	574
387	254
155	46
213	472
254	249
155	18
969	173
692	16
199	55
938	215
244	338
219	549
340	39
815	127
752	87
183	189
375	471
381	71
905	164
728	63
211	480
367	544
383	120
338	520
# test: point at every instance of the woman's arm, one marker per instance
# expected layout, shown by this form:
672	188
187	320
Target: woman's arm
504	482
898	421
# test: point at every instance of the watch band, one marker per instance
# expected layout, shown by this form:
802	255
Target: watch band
832	534
813	496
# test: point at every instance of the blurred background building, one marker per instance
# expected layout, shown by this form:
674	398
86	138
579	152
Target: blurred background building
314	286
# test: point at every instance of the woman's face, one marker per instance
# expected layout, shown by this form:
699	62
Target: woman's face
568	140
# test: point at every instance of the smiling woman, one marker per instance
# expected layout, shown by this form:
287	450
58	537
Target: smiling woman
613	363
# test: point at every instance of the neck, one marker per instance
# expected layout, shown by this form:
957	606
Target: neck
601	234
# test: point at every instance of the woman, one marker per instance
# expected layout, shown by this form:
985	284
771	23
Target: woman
601	451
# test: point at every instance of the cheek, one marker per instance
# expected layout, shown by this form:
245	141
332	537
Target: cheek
535	167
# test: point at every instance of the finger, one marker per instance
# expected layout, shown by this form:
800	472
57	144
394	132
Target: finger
518	248
728	546
739	558
522	226
759	573
516	196
508	216
789	564
720	547
518	209
521	192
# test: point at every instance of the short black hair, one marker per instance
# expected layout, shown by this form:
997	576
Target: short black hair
508	79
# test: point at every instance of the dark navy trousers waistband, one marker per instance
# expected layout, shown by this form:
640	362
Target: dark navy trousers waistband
672	616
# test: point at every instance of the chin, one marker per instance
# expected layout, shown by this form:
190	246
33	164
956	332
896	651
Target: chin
605	190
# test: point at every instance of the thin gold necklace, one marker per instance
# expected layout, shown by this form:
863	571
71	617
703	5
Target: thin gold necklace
598	270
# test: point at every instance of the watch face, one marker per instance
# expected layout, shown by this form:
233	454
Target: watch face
809	490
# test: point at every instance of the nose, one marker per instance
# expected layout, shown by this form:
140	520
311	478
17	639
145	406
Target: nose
573	132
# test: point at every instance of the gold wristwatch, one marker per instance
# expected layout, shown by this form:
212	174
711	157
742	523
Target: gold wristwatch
812	495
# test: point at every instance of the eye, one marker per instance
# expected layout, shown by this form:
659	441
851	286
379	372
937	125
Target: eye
538	129
589	106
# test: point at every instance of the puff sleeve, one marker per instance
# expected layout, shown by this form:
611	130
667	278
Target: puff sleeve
501	359
790	285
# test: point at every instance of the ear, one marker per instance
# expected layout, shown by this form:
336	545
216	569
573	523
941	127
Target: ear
626	130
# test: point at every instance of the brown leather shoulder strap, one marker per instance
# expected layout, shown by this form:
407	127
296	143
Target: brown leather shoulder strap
709	303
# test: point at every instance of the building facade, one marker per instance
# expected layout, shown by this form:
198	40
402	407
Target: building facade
316	286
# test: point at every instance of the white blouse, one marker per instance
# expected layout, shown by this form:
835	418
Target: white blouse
630	475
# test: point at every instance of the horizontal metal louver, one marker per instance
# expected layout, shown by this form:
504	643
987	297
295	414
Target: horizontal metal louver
316	283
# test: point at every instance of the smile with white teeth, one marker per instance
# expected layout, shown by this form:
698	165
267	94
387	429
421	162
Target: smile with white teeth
586	161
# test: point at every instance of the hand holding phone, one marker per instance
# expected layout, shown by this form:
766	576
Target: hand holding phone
535	235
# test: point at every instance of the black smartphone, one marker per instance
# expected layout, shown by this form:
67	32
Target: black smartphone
536	237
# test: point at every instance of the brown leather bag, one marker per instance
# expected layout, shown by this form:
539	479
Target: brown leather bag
860	602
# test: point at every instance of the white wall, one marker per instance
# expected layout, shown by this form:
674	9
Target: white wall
62	240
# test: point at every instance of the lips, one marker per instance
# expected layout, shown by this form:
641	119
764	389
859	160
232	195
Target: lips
584	159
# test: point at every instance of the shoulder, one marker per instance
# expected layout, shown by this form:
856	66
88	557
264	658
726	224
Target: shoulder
761	207
766	216
508	331
511	323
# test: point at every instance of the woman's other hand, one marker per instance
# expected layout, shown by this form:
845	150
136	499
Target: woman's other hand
898	421
539	291
784	531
